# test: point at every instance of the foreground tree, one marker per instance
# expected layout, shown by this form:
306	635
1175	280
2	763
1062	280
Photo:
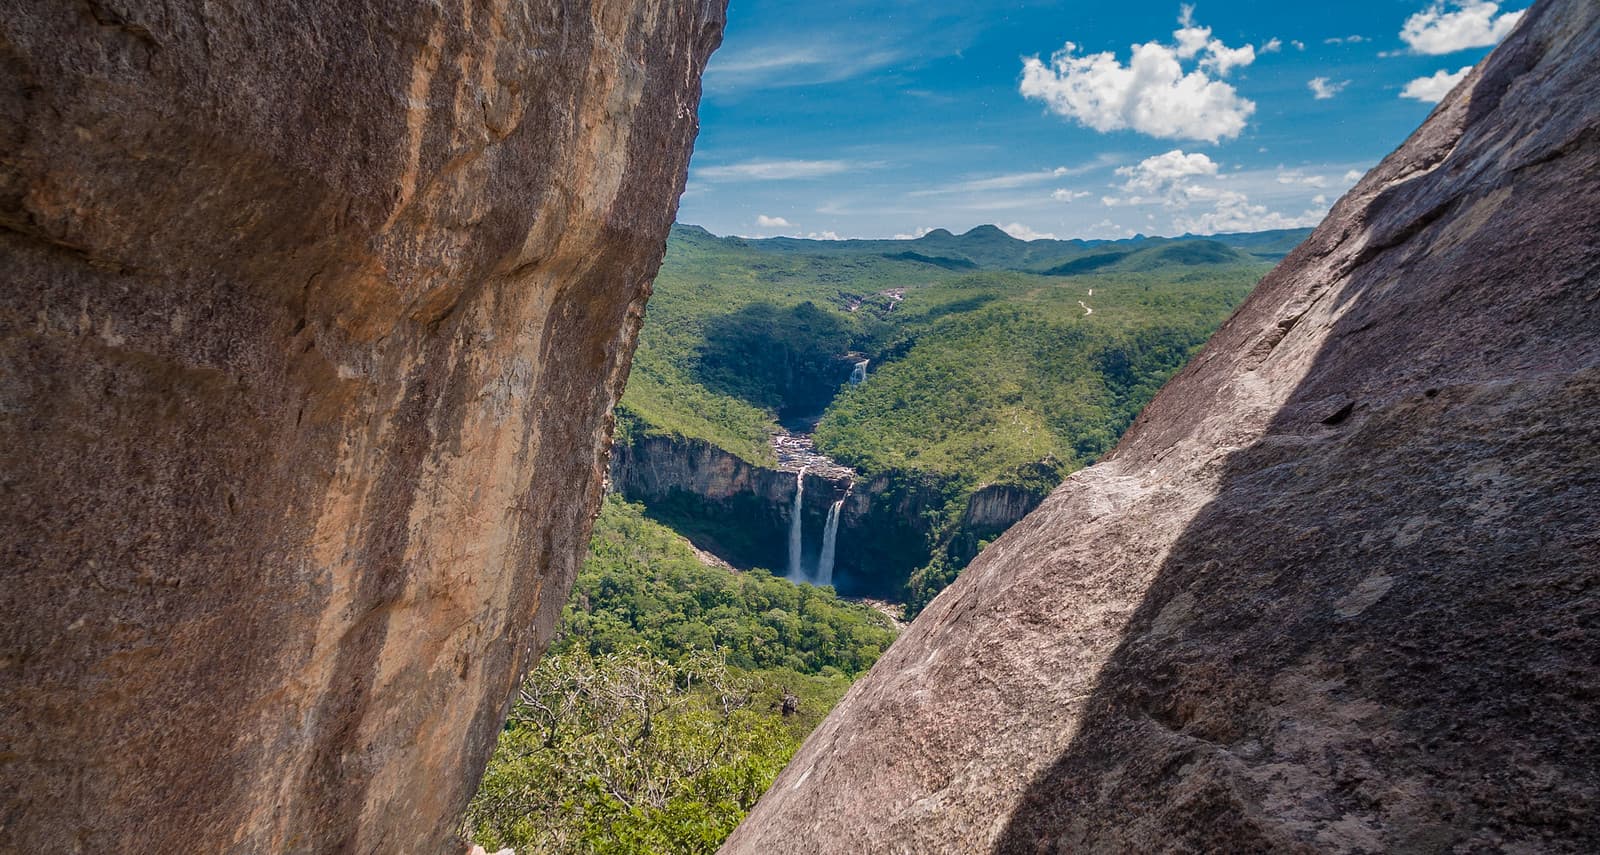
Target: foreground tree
626	752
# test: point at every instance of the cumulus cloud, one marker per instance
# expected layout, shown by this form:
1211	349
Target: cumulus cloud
1448	26
1298	45
1064	195
1432	89
1273	45
828	235
922	232
1022	232
767	222
1180	181
1153	94
1323	89
1166	173
1235	213
773	170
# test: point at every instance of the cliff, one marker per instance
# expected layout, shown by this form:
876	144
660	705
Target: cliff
313	317
1335	589
742	513
736	510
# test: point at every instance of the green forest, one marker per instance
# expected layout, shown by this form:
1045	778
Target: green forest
673	694
676	688
993	361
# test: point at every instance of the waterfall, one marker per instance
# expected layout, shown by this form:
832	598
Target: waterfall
796	537
830	538
859	375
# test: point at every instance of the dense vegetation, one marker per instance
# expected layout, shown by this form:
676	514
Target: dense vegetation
988	366
732	333
672	696
987	373
675	691
741	333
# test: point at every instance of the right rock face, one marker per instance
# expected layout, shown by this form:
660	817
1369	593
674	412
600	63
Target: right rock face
1337	589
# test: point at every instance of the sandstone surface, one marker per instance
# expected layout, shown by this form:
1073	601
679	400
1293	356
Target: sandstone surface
313	316
1337	590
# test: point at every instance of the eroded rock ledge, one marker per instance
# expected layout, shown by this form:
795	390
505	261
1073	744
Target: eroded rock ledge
313	317
1336	589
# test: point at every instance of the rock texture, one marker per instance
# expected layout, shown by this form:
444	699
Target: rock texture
998	507
313	315
1338	590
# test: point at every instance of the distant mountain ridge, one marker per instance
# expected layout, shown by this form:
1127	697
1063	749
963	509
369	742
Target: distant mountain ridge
989	247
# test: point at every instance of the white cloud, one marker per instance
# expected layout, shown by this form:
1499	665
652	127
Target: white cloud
828	235
1346	40
1014	180
1065	195
1448	26
1235	213
777	66
1192	38
1165	173
1010	181
1323	89
1273	45
1108	229
1298	45
1152	94
1433	89
922	232
1179	181
767	222
1295	177
1022	232
1353	176
1222	60
773	170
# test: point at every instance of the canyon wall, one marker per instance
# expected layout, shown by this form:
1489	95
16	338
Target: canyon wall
313	317
1335	591
736	510
741	512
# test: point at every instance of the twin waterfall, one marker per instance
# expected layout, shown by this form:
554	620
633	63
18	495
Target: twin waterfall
830	539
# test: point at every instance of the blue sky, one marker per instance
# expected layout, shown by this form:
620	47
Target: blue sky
878	119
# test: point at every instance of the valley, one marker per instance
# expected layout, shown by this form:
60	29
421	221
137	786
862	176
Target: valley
816	438
392	468
869	414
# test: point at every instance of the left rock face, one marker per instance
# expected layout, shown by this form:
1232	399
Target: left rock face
313	315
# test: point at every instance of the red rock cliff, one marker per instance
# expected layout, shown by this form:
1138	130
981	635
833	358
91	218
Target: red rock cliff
313	315
1336	591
